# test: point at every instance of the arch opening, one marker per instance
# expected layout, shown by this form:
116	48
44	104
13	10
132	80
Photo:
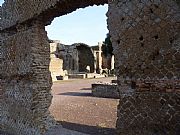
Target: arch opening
73	89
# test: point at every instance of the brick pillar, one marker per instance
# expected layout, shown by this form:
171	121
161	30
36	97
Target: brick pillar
146	40
26	81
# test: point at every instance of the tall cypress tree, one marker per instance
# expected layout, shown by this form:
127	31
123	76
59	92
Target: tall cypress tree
107	46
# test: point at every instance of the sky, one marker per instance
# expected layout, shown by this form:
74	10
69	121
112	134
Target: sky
1	1
87	26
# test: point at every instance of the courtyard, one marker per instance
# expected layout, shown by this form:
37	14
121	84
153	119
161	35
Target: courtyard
75	108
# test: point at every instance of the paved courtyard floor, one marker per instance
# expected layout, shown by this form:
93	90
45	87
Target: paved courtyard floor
76	109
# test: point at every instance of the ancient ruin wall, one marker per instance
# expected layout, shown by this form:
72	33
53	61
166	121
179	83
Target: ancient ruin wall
149	113
25	81
19	11
146	41
86	58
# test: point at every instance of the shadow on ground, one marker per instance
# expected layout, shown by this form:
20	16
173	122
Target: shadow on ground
3	133
76	94
91	130
86	89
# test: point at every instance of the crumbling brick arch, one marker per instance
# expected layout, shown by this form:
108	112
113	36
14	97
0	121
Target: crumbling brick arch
145	37
25	78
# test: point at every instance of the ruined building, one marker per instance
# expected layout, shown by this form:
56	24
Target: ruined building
102	61
56	64
76	58
145	35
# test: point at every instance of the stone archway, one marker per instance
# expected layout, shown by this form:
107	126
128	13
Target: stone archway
145	37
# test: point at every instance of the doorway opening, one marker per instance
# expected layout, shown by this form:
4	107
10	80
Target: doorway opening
80	65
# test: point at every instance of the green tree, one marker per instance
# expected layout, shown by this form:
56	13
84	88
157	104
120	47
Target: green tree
107	45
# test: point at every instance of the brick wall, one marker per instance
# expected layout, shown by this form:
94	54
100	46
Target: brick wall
146	41
26	81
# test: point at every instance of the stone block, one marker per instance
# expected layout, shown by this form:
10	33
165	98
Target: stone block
113	81
105	90
94	75
62	77
77	76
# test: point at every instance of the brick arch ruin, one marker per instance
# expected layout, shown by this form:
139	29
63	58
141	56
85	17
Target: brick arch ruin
146	40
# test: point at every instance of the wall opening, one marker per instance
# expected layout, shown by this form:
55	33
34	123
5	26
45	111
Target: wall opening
77	66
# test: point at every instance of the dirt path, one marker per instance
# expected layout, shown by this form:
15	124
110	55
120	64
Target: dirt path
74	106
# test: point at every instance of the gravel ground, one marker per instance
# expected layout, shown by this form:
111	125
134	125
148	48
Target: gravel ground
75	108
3	133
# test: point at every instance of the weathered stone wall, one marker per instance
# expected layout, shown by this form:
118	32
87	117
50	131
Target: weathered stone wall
69	55
86	58
106	62
19	11
146	113
106	90
76	57
56	64
25	81
146	40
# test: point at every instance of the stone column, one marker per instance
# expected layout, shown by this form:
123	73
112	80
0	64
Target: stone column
77	61
26	81
146	39
112	62
100	56
95	61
